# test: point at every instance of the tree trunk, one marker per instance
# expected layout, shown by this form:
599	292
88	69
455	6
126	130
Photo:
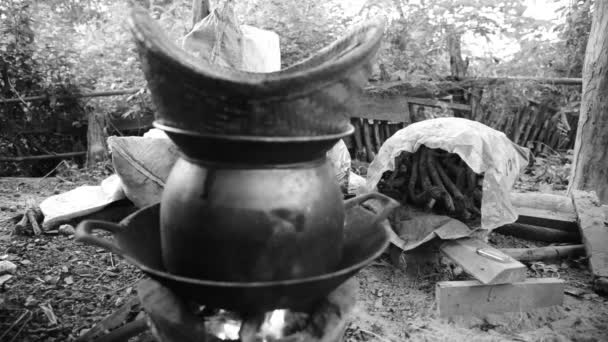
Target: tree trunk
200	9
590	165
97	151
458	66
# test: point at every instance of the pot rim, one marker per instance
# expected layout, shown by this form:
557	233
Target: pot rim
254	138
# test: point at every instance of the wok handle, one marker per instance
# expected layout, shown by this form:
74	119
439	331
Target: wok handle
388	204
84	233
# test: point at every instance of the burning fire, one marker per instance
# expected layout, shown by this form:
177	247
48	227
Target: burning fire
273	325
225	326
230	331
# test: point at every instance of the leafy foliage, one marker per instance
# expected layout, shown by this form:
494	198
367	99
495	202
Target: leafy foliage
64	47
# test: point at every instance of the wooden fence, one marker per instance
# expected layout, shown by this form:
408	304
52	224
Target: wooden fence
386	108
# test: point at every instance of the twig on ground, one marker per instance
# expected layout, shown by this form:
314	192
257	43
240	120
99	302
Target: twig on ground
124	287
50	172
381	338
17	321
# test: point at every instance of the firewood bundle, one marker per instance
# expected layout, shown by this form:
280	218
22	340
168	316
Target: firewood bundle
435	179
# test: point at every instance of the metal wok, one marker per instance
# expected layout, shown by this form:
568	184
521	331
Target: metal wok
137	239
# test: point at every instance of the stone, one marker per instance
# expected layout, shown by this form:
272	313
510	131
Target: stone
7	267
4	278
66	229
30	301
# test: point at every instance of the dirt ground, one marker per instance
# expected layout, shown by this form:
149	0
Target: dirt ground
61	288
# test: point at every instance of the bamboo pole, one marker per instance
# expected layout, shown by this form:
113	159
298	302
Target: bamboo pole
93	94
543	253
44	156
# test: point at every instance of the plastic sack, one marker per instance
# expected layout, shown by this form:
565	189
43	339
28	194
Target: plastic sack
355	182
484	149
143	165
81	201
261	50
339	157
217	38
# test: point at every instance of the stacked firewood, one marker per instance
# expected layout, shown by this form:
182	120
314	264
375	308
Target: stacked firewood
435	179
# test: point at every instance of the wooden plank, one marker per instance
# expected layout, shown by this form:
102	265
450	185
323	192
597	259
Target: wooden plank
591	221
389	108
476	258
552	202
545	210
438	104
472	298
547	218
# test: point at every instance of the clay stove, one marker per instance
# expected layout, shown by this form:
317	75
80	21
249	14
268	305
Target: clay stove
252	240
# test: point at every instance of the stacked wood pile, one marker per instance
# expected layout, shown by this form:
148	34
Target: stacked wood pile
435	179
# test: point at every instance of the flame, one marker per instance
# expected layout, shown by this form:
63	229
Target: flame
224	326
229	331
273	325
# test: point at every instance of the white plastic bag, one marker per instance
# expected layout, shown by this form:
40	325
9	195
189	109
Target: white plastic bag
261	50
217	38
484	149
339	157
143	165
81	201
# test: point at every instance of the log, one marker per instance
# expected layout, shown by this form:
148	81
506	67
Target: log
473	298
357	135
536	233
544	253
386	130
367	140
377	138
591	221
44	156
